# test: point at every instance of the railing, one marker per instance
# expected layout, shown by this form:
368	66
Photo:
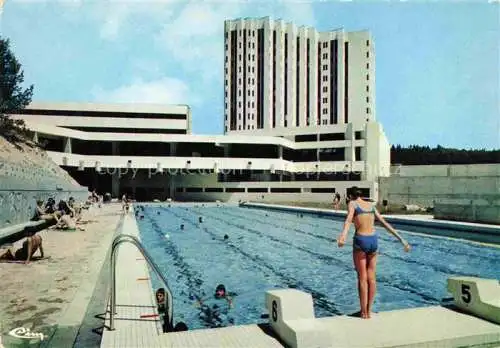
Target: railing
133	240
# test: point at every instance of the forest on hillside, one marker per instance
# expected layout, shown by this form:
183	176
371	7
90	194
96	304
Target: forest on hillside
419	155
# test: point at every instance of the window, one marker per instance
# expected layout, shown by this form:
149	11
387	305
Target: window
239	93
367	42
367	77
253	69
239	104
225	107
239	45
253	104
253	80
253	57
227	47
367	110
325	100
325	67
249	93
239	116
325	44
239	56
367	99
325	78
225	94
325	55
253	44
239	69
226	71
239	127
239	81
325	111
367	54
226	59
325	89
368	65
367	88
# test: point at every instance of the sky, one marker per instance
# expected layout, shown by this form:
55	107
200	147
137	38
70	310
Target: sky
437	63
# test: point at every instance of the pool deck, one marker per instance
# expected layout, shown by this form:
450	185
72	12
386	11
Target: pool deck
420	327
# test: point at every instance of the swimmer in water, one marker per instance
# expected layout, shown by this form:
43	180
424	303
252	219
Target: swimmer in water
220	293
365	245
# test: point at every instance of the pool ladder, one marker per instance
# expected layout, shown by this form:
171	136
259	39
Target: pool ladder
125	238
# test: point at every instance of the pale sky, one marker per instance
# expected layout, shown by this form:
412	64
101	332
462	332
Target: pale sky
437	63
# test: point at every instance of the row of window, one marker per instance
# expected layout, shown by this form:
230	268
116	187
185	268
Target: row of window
256	189
252	34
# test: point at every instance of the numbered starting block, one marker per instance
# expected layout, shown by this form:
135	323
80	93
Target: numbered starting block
291	315
478	296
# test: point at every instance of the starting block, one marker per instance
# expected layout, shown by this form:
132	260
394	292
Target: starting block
478	296
291	315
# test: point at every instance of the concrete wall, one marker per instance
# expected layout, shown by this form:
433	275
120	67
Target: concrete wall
457	192
424	185
461	170
22	183
471	210
18	205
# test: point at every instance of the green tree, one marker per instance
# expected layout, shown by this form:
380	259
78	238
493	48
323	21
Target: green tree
13	97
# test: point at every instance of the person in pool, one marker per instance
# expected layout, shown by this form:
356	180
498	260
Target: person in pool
220	293
365	245
214	314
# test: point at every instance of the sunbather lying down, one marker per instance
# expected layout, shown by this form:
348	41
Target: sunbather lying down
67	223
25	253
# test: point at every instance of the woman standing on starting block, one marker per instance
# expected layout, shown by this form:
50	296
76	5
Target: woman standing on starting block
365	245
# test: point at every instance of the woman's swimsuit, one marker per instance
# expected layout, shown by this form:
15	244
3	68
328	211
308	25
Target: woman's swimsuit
365	243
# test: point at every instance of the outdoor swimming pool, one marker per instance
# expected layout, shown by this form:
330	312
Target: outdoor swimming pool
274	249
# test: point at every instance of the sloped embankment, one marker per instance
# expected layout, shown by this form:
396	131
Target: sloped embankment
27	174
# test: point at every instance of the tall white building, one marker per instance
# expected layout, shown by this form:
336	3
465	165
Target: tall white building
280	77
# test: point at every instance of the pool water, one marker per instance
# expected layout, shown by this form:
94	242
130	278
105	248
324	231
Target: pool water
276	249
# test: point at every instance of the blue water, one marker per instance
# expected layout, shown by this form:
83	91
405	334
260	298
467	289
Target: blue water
274	249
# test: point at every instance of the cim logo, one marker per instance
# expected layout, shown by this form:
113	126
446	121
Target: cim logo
25	333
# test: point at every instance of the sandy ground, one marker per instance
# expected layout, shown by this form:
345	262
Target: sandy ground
38	295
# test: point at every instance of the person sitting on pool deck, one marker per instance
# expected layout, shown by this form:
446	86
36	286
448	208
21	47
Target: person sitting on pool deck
42	214
25	253
365	245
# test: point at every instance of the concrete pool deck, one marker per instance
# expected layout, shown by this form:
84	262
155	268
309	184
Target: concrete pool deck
51	295
421	327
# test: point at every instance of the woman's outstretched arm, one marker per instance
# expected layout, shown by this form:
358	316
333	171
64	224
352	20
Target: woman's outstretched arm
347	224
389	228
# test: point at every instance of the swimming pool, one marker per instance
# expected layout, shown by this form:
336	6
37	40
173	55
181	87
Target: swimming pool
276	249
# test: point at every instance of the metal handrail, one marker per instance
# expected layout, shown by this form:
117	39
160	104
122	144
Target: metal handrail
123	238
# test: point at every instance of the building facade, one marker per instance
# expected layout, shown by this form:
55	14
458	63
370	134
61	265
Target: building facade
280	77
299	126
185	166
